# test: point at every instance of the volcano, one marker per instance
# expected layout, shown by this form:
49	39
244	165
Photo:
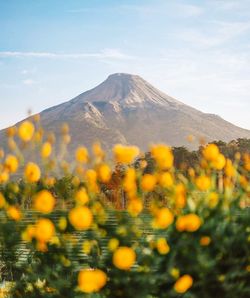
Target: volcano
127	109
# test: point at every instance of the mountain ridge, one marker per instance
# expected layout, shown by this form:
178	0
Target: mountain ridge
127	109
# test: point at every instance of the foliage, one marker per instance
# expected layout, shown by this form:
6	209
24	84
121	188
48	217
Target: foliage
165	233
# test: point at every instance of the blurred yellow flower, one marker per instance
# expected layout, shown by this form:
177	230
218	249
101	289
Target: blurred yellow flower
4	176
213	199
91	179
11	163
91	280
113	244
163	156
11	131
97	150
62	224
205	241
164	218
180	195
165	179
124	258
81	218
32	172
203	182
190	223
1	153
81	196
26	131
44	201
230	170
184	283
28	233
175	272
148	182
246	159
162	246
104	173
211	152
86	247
2	200
135	206
46	150
125	154
82	155
44	230
220	162
14	213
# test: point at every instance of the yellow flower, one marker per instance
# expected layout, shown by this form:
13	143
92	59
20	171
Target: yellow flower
81	218
163	156
97	150
4	176
91	280
230	169
81	196
41	246
44	201
190	223
184	283
11	131
246	158
211	152
32	172
1	153
166	180
46	150
162	246
213	199
104	173
82	155
2	200
125	154
175	272
129	182
11	163
164	218
180	196
26	131
29	233
14	213
205	241
220	162
135	206
203	182
148	182
113	244
86	247
91	178
124	258
44	230
62	224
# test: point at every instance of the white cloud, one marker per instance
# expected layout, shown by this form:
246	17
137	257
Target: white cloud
28	82
115	54
188	10
218	33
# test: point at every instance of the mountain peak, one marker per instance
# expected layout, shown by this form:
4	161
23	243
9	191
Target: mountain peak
127	90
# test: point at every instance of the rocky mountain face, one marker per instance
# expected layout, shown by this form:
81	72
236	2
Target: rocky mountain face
127	109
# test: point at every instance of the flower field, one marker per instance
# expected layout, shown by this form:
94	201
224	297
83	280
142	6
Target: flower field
95	226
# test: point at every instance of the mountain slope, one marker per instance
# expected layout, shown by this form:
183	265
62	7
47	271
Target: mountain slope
127	109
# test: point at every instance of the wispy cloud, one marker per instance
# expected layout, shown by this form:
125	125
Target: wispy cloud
28	82
218	33
115	54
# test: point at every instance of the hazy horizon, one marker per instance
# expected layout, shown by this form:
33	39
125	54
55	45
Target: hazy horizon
196	52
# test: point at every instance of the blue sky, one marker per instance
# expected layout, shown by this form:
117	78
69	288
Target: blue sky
196	51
